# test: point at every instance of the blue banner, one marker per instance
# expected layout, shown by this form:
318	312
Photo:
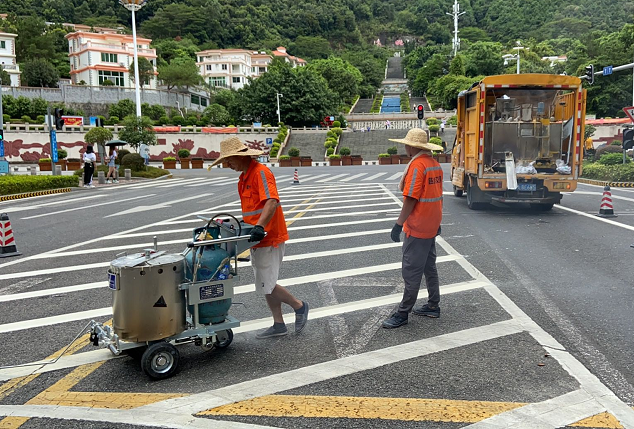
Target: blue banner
54	146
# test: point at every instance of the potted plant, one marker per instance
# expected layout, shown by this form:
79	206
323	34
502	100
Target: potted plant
45	164
404	159
356	160
183	156
61	156
393	152
335	159
384	159
73	164
197	162
345	156
169	163
285	161
433	129
294	154
305	161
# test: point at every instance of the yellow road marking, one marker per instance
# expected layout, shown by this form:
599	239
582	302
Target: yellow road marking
405	409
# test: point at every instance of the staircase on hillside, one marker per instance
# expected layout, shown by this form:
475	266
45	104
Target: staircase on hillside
364	105
310	143
370	144
394	68
391	105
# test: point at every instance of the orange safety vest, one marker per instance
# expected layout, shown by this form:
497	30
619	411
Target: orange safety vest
423	182
255	187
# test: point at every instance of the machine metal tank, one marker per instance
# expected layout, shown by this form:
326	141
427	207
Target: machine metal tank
147	303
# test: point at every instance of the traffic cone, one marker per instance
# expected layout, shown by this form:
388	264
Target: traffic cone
7	242
606	209
296	178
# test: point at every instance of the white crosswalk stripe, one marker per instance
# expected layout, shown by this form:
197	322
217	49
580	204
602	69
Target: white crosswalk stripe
396	176
356	176
374	176
331	178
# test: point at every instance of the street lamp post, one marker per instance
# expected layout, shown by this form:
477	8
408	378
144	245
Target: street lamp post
279	118
134	6
515	56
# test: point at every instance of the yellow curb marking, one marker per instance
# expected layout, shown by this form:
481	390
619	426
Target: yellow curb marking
404	409
34	194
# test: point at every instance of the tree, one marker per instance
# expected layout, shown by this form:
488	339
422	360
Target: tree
217	114
122	108
457	66
4	77
169	49
137	131
311	47
40	73
484	58
180	72
146	71
98	136
343	78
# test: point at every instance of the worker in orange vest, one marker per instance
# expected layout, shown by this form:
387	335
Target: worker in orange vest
261	207
420	219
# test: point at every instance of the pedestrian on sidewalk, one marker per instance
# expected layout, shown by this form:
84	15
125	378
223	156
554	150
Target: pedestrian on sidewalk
442	126
112	156
419	219
89	166
261	207
387	124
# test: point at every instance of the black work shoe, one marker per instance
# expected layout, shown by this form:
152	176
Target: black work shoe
395	321
427	310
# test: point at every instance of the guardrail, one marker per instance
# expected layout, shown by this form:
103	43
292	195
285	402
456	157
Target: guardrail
41	128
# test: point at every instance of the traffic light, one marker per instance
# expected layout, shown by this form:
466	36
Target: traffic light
59	122
420	110
590	74
628	139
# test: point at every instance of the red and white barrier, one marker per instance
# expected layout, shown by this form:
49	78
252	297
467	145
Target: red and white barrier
296	178
607	208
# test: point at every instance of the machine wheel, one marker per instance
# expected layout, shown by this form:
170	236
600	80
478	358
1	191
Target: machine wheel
542	207
160	360
224	339
473	205
457	192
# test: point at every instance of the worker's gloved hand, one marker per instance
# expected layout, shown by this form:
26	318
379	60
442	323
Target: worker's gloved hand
257	233
396	232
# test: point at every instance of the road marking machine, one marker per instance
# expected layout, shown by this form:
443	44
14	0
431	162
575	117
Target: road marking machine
164	299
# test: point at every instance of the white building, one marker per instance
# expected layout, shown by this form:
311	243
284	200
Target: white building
280	52
225	68
260	62
97	57
7	58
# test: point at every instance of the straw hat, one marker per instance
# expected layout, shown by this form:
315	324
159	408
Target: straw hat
234	147
417	137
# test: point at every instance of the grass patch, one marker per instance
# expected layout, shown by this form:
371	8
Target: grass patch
150	173
10	185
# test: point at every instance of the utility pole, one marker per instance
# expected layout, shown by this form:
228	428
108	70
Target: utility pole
1	125
279	118
456	14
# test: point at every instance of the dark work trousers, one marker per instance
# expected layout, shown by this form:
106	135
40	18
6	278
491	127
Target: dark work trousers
419	258
89	169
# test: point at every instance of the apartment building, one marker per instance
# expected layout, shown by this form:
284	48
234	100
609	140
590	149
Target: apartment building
225	68
280	52
260	62
97	57
7	58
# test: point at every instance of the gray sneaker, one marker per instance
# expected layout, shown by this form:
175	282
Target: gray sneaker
301	318
273	331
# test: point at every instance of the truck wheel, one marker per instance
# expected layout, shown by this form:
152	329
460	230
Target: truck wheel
471	203
457	192
160	360
542	207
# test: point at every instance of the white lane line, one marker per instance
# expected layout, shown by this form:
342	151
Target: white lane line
106	311
285	201
169	203
557	412
39	206
96	285
303	218
329	370
304	179
153	184
334	209
47	271
327	187
347	179
22	285
206	182
247	326
225	182
188	181
317	203
395	176
331	178
594	217
89	206
374	176
599	195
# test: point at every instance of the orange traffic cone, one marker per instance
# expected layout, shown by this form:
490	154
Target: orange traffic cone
296	178
606	209
7	242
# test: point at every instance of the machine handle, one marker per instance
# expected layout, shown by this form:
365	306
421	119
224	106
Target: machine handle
217	241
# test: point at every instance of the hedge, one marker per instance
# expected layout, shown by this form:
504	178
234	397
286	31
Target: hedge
10	185
150	173
609	173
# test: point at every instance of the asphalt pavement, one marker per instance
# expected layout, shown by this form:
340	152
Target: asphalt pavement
535	329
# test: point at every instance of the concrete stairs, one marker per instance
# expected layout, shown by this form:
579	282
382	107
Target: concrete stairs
364	105
394	68
309	143
370	144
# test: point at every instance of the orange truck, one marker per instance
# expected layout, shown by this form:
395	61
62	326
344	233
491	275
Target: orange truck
519	140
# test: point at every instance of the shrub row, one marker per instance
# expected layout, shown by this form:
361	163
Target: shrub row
610	173
404	102
150	173
376	104
10	185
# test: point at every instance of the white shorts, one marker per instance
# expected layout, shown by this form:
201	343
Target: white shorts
266	262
